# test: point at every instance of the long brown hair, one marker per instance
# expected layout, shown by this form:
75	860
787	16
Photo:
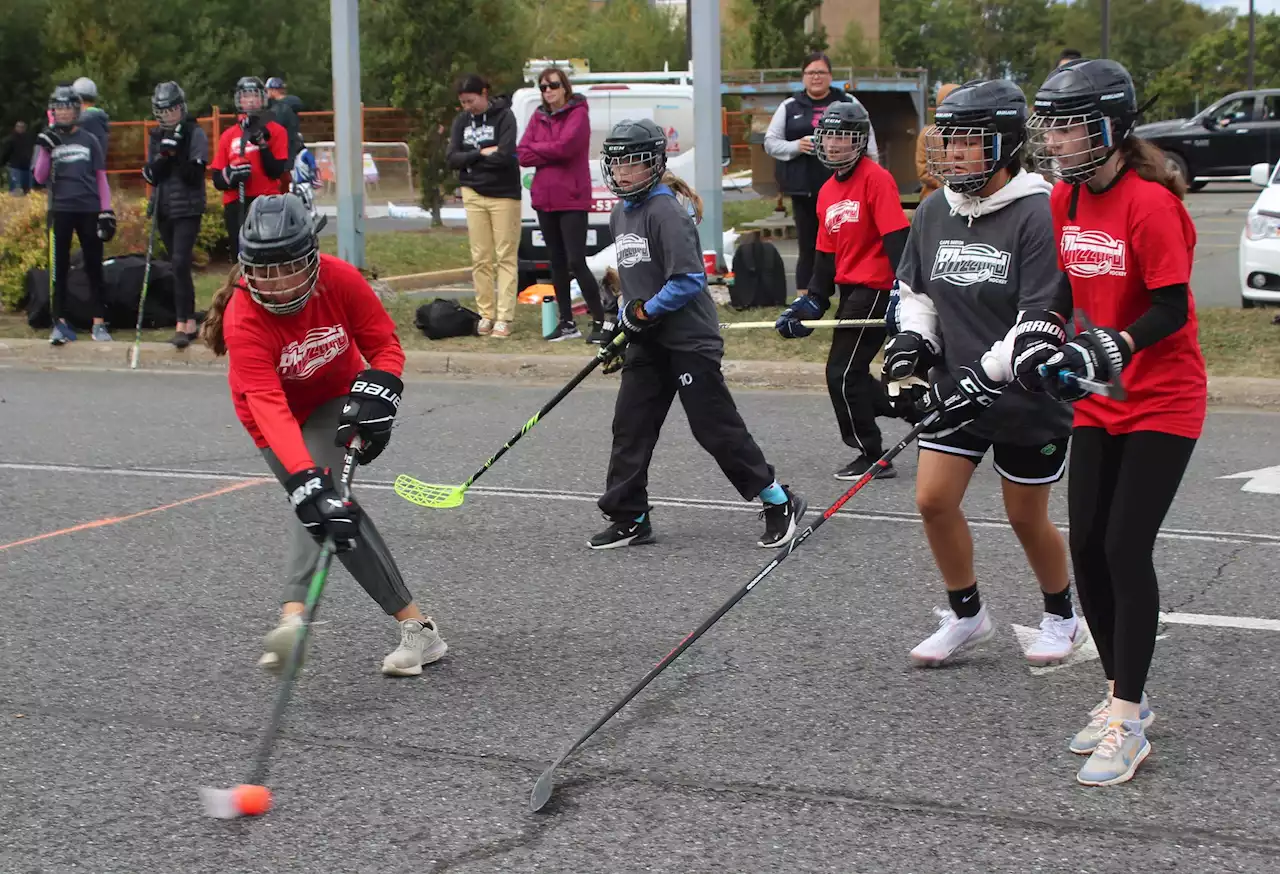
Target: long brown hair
1148	161
564	83
681	190
211	330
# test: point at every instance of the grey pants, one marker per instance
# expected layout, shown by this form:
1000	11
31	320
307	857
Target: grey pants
370	562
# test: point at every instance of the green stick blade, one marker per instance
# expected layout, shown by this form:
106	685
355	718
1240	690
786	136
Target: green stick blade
435	497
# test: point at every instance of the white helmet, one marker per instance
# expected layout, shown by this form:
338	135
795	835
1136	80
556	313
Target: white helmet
85	88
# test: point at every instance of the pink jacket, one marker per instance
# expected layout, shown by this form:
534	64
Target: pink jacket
557	144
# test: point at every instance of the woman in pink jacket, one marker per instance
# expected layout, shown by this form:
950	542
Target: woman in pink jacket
557	142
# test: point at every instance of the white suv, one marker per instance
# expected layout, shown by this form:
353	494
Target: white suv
1260	241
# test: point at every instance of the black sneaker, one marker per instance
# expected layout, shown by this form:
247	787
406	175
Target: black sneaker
598	334
180	339
860	465
781	521
565	331
628	533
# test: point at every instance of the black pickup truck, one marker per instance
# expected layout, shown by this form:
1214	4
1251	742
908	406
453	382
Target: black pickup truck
1223	141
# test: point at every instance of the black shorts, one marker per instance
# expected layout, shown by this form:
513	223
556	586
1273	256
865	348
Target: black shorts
1024	465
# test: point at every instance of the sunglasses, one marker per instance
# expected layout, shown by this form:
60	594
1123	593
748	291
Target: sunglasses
549	86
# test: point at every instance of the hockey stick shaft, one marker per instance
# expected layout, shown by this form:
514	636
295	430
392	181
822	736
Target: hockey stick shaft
810	323
146	277
542	789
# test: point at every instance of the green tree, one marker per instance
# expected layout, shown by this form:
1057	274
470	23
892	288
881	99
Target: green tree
854	50
1215	65
22	57
935	34
778	37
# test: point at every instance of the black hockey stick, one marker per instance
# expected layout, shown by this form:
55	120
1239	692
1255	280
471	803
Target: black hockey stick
546	783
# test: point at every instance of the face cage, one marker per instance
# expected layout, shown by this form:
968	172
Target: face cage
73	105
656	161
305	270
262	100
825	139
159	114
958	173
1070	147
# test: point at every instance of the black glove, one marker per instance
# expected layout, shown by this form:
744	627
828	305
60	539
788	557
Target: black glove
321	510
905	396
1098	353
960	398
806	306
49	139
236	174
902	355
1037	336
633	320
255	130
106	225
171	140
369	412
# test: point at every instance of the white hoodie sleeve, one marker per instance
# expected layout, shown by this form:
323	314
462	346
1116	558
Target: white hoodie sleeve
775	138
916	312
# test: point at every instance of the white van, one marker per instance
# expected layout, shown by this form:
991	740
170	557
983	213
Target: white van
670	106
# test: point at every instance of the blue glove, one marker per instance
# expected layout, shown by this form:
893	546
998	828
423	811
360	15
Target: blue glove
803	307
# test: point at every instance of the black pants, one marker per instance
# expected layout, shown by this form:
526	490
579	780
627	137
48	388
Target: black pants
650	380
856	395
805	211
565	234
179	238
1119	491
233	219
85	226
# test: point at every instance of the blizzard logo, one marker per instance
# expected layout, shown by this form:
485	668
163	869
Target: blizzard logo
474	135
71	153
838	214
1092	253
966	264
632	249
364	387
239	147
301	358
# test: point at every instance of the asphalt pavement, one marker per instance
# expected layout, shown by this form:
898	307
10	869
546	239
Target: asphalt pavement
793	737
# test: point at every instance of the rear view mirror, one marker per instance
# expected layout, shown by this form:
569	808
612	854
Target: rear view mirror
1260	174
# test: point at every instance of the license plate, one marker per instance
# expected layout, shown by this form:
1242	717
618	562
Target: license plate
540	241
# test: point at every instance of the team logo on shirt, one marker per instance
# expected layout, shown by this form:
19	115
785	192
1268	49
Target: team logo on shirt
632	249
475	134
301	358
1092	253
71	153
962	263
841	212
249	147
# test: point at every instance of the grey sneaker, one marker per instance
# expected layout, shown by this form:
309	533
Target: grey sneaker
1122	748
278	642
62	334
420	644
1086	739
100	333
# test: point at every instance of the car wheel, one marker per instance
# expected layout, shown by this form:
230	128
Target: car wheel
1248	304
1175	163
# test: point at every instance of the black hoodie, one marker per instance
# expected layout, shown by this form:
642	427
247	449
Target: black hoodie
494	175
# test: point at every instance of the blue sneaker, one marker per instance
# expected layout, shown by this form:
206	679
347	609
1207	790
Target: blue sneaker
100	332
1121	750
1086	739
62	333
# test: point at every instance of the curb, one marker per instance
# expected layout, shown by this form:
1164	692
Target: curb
416	281
1224	391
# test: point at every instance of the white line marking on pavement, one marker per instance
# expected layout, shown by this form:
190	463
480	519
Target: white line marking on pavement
1247	623
1188	534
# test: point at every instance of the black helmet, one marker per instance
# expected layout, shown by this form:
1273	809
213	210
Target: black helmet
1082	114
275	82
246	86
167	96
840	138
64	97
628	144
991	115
279	253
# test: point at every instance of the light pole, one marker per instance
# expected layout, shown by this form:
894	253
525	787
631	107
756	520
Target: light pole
705	30
347	149
1106	28
1249	78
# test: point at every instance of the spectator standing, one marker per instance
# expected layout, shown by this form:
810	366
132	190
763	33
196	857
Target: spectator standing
251	159
92	118
16	153
928	182
557	143
482	148
1067	56
284	111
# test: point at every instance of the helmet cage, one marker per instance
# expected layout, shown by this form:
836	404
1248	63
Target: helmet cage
281	288
652	156
961	173
839	148
1071	147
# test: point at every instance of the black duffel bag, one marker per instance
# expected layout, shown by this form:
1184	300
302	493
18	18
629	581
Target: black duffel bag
445	318
122	281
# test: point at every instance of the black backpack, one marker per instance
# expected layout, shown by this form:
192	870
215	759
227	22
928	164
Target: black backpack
445	318
759	277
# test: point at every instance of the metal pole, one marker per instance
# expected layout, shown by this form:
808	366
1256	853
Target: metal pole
705	31
348	149
1106	28
1252	17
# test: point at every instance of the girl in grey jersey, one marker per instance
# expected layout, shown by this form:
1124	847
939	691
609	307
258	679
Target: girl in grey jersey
980	262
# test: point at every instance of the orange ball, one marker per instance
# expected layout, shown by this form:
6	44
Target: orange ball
251	800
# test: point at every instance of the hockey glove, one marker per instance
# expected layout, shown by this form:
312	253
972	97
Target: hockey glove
1098	353
321	510
633	320
960	398
236	174
49	139
255	130
902	355
1036	338
369	412
905	396
171	141
106	225
803	307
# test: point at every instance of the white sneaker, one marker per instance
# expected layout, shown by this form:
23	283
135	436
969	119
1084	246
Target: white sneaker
1058	639
954	637
278	643
485	327
420	644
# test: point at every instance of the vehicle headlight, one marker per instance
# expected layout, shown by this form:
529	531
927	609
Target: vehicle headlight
1262	227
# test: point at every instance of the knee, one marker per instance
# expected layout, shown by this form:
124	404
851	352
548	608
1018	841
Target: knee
934	505
1028	520
1129	558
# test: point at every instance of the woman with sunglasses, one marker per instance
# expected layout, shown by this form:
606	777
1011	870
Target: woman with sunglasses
557	144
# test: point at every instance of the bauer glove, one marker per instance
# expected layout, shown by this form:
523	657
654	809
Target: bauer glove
370	412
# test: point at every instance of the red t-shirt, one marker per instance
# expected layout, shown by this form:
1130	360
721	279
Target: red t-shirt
281	368
228	155
1122	244
853	218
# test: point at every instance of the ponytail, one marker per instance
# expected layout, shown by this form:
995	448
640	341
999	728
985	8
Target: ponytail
683	192
211	330
1148	161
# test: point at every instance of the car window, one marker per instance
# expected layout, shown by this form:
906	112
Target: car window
1234	112
1271	107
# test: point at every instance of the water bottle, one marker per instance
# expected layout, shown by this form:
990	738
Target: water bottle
550	315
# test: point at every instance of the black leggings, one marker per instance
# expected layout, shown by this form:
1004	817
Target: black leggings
565	234
179	237
805	211
85	226
1120	489
232	218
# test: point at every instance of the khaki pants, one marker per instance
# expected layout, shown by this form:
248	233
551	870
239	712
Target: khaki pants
493	227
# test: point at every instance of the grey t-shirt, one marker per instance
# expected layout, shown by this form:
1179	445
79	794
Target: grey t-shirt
75	172
979	276
656	241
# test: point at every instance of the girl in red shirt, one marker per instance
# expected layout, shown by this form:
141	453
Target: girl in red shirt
252	157
298	327
1126	244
